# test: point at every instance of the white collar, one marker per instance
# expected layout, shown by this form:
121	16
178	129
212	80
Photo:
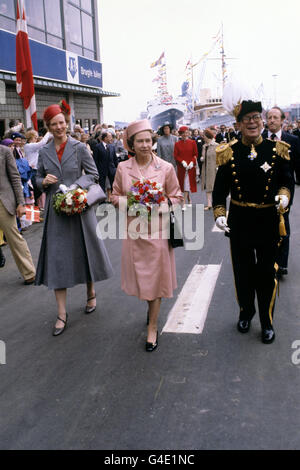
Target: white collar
278	134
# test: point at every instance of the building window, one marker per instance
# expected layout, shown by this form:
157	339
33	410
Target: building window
44	21
7	15
80	25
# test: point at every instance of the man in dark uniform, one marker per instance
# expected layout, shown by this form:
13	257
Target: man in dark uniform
256	173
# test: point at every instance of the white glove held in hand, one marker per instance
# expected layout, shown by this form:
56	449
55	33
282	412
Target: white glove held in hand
190	166
221	224
184	164
63	188
283	200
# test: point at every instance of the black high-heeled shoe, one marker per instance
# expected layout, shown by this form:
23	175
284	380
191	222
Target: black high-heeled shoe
59	331
2	259
152	346
90	309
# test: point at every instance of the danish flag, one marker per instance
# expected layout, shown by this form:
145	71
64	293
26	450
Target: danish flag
25	86
32	213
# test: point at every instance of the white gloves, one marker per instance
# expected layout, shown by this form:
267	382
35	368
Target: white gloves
283	201
222	224
63	188
187	166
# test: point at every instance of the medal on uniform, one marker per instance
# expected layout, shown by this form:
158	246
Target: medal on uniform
253	153
266	167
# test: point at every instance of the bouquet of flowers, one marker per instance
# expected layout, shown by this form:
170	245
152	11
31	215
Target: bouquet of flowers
70	201
143	196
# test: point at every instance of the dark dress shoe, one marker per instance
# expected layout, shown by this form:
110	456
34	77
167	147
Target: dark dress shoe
59	331
2	259
268	335
152	346
30	281
90	309
243	326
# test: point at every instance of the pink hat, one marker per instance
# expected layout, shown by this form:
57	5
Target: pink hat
134	128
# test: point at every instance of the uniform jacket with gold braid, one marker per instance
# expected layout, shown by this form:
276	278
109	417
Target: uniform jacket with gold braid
253	176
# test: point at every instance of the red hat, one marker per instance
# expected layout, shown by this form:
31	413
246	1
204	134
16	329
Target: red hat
183	129
56	109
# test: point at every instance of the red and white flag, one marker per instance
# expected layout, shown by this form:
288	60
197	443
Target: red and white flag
25	86
32	213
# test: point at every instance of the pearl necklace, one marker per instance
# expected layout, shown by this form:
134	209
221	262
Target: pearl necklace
147	164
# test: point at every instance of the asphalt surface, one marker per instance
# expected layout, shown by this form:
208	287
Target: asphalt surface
95	387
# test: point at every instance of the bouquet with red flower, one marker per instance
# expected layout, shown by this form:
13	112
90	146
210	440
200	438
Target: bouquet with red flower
143	196
70	201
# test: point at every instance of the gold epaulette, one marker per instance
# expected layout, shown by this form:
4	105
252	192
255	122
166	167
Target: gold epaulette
282	149
224	152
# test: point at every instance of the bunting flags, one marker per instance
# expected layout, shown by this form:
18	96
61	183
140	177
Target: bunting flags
25	86
157	62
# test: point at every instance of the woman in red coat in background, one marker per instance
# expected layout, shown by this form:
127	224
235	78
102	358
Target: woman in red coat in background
185	154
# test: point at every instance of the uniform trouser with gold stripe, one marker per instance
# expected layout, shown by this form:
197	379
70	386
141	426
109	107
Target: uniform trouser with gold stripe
17	244
254	274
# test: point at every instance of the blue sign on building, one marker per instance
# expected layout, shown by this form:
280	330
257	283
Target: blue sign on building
52	63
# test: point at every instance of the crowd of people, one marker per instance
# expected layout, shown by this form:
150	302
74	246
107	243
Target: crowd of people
180	158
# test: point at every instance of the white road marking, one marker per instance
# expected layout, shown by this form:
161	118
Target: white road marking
189	313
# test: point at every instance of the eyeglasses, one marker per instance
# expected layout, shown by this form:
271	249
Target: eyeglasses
255	118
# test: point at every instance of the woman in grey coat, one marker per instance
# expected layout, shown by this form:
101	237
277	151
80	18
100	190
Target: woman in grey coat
71	253
165	144
208	166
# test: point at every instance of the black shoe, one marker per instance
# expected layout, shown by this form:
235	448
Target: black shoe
2	259
90	309
152	346
243	326
30	281
267	335
59	331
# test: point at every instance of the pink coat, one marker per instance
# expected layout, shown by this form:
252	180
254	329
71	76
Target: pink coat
148	265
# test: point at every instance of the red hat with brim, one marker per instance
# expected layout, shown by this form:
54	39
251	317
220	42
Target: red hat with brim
183	129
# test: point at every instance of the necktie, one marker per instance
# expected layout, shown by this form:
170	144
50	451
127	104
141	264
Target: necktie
274	137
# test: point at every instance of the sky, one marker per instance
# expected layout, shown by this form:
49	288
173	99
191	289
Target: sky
261	35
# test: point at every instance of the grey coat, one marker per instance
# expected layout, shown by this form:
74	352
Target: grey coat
11	190
71	253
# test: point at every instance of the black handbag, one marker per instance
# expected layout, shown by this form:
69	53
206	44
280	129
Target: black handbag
175	239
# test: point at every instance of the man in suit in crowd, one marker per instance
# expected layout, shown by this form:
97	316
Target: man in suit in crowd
297	131
106	161
275	119
11	204
222	136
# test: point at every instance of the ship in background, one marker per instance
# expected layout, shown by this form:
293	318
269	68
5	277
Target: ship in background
200	103
164	108
204	103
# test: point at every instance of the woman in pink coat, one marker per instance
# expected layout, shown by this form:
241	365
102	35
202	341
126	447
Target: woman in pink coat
148	263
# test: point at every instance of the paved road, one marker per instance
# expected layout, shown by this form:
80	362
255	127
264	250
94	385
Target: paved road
95	387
